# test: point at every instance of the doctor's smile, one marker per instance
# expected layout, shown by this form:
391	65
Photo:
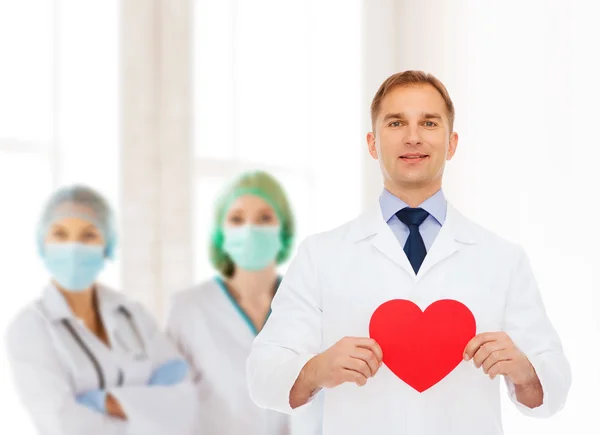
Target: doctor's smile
413	157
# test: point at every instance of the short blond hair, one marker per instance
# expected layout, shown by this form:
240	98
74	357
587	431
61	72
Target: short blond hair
411	78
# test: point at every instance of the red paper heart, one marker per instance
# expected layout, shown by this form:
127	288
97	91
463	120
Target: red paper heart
422	347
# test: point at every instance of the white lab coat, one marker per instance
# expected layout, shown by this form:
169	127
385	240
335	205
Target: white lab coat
51	368
216	339
340	277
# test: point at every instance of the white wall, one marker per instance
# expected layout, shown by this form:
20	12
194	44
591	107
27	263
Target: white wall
380	60
523	79
156	150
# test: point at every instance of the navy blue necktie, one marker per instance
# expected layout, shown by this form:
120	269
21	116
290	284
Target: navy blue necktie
414	247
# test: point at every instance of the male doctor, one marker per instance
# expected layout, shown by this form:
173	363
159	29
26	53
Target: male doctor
415	247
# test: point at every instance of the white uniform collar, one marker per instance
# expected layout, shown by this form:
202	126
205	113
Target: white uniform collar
58	309
372	222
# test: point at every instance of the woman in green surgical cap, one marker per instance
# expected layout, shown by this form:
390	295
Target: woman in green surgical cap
214	324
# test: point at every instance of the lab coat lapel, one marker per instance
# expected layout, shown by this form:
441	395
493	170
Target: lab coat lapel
454	235
372	225
55	305
109	304
386	242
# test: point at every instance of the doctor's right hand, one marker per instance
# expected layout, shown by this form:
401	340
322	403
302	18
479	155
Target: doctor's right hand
352	359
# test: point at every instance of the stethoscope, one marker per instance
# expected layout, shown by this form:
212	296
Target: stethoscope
92	357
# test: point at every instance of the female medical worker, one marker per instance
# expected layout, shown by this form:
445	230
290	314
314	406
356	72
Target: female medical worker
215	323
87	360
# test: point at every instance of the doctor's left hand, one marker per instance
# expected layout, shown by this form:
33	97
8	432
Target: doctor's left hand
498	355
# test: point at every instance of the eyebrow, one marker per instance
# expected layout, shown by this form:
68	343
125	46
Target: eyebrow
424	115
58	226
235	211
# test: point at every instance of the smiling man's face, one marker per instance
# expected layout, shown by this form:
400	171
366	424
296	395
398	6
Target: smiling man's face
412	138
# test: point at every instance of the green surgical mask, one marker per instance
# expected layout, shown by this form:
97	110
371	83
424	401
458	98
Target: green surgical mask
252	247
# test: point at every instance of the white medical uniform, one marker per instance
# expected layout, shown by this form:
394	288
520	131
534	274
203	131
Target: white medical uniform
216	336
340	277
54	358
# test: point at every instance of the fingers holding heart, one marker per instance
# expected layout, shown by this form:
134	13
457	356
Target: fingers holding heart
497	355
495	358
499	368
494	352
489	341
364	357
486	350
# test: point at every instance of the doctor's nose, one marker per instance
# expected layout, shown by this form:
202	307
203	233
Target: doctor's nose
412	137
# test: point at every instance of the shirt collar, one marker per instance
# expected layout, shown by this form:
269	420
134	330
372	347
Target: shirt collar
58	309
55	304
435	205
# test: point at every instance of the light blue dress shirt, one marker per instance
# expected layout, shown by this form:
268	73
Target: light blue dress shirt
435	205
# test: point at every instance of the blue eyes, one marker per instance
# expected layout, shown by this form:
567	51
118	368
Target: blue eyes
427	124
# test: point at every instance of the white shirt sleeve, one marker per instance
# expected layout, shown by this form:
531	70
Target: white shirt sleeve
180	329
158	409
528	325
44	386
291	336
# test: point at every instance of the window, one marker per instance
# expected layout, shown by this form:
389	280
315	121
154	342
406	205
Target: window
264	100
58	125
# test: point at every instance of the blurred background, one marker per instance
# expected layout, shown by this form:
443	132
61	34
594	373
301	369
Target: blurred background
157	103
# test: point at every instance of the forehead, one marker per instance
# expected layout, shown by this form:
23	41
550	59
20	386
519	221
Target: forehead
412	100
249	203
74	223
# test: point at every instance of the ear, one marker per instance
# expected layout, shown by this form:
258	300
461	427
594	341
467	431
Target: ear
452	145
371	144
